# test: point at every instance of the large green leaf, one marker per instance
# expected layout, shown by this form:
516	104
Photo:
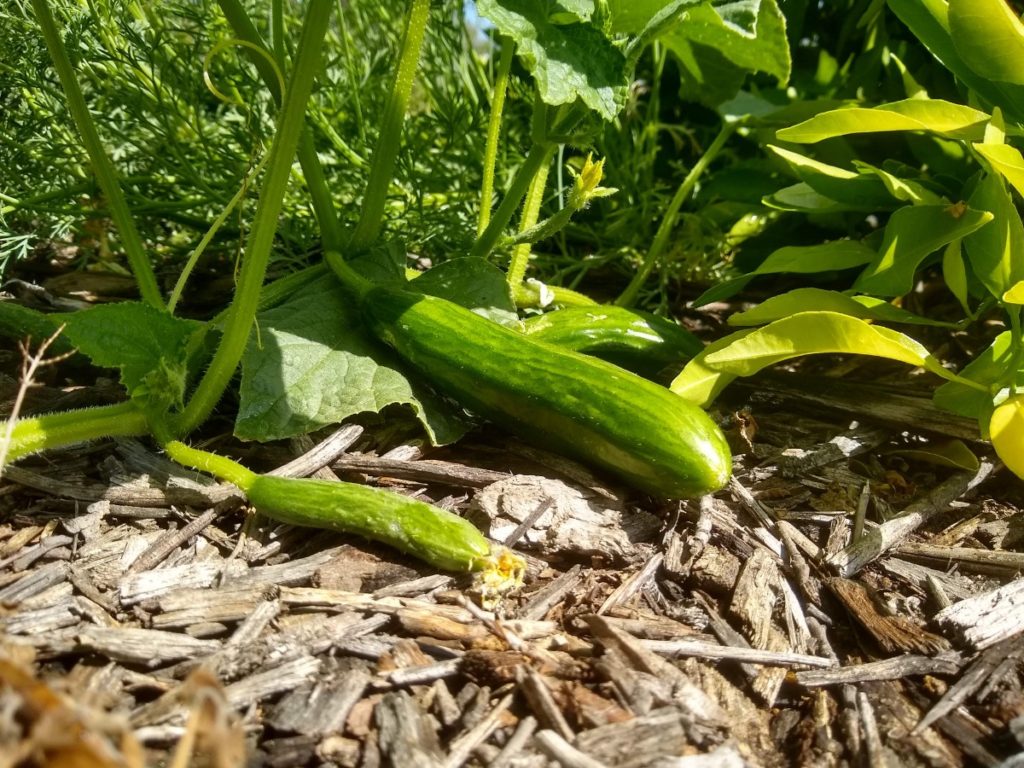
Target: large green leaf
148	346
936	116
472	283
568	61
987	368
996	251
929	21
310	364
717	47
820	300
913	233
989	38
862	190
802	259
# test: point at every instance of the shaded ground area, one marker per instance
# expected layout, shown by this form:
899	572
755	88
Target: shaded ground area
846	601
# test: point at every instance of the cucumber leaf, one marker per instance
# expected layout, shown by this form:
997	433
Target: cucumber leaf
147	346
472	283
913	233
945	118
310	364
1006	430
568	61
799	259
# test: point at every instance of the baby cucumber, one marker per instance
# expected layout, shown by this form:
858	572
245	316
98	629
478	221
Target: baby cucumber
434	535
556	398
639	341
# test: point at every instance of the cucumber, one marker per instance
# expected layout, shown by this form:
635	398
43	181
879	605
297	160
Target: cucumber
556	398
434	535
642	342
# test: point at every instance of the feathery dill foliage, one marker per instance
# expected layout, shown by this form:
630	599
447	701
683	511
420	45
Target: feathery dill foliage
183	152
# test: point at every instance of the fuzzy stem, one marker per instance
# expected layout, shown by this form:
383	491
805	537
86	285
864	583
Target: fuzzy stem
494	131
54	430
257	253
538	156
668	221
138	260
218	466
531	212
389	141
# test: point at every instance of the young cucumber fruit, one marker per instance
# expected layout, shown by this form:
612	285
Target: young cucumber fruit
639	341
556	398
434	535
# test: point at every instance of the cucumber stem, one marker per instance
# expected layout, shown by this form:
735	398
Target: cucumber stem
242	311
54	430
494	131
668	221
385	154
539	154
218	466
531	212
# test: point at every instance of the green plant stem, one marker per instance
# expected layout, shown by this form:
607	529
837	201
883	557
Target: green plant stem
494	131
531	212
668	221
348	277
138	260
538	156
385	154
238	322
218	466
312	171
53	430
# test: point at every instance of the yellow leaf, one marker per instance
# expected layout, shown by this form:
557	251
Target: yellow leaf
1007	431
1016	294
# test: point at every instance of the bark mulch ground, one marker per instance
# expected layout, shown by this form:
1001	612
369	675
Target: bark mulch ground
846	601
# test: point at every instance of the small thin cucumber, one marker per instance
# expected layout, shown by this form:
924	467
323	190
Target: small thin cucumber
435	536
639	341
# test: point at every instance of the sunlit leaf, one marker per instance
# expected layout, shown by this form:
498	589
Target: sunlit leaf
803	259
932	115
820	300
954	272
855	189
996	251
1016	294
989	38
902	189
700	384
1006	430
986	369
1006	160
913	233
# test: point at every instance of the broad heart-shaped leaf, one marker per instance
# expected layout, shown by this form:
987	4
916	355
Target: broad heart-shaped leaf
820	300
715	54
1006	160
472	283
912	234
799	259
147	346
944	118
996	251
629	17
310	364
568	61
929	21
1006	430
989	38
986	369
700	384
866	191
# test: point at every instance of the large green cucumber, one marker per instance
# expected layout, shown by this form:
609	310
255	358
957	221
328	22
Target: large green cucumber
642	342
556	398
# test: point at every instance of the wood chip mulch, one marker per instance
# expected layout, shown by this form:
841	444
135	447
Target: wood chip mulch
841	603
